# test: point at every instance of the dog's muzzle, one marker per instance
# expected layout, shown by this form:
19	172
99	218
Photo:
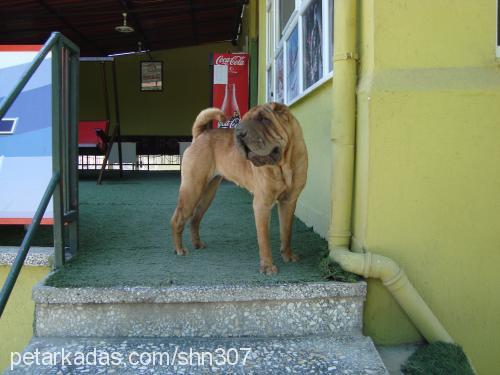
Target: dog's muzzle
253	146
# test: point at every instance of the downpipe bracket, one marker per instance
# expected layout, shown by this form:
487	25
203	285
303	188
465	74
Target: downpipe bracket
345	56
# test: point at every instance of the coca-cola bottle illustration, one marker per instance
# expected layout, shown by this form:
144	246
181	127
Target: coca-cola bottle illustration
230	108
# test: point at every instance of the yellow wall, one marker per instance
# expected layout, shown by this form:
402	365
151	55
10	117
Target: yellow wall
314	112
427	183
16	324
170	112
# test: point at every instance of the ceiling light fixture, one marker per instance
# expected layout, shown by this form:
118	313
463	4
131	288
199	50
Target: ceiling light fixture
124	28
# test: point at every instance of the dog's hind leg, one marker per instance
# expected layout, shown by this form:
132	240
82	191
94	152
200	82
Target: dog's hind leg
205	201
189	197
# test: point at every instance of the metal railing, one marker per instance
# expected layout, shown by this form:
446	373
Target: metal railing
63	186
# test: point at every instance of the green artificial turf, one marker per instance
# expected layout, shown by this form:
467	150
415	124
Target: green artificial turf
125	239
438	358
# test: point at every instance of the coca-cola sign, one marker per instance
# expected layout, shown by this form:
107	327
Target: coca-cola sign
230	87
232	60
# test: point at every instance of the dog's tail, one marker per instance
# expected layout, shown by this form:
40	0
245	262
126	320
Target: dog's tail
204	120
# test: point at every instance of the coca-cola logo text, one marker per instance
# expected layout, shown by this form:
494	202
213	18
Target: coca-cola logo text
232	60
229	124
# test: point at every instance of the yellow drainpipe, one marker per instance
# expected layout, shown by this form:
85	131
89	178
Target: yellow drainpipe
343	148
344	120
396	281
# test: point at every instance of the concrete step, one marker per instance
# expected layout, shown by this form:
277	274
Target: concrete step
277	310
298	355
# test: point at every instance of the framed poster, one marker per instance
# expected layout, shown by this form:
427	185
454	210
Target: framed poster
292	65
313	57
151	75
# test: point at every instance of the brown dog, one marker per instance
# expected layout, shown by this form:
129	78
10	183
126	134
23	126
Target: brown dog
265	153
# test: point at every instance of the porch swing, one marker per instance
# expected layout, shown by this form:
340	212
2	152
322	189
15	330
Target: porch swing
97	135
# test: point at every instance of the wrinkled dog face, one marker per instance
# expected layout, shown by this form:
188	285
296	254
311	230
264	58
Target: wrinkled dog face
261	136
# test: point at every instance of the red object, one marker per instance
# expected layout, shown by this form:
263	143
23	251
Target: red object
24	47
230	86
23	221
87	132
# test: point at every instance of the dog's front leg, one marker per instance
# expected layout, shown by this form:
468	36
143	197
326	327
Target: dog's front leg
262	210
286	209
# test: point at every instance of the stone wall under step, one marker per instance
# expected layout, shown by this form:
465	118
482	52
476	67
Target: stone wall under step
319	308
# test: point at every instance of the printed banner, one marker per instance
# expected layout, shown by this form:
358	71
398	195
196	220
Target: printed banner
25	137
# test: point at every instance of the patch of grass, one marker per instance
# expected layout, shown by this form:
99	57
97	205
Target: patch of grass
438	358
331	270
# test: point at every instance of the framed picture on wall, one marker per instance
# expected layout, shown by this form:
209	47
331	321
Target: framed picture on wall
292	65
313	57
151	75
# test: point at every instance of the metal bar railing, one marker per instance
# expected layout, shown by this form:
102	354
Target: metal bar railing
63	186
26	244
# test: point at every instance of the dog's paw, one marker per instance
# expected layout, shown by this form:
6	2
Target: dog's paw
181	251
199	245
268	269
289	257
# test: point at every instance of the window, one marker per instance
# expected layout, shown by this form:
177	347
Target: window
269	33
498	28
270	81
279	84
299	47
330	34
286	9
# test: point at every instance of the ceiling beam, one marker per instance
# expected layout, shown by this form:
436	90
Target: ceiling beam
157	9
69	25
193	22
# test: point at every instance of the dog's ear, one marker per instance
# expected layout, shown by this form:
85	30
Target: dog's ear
278	107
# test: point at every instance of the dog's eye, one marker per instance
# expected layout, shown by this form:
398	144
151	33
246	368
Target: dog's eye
265	120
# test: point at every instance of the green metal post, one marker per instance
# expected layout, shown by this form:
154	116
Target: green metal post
74	68
58	198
